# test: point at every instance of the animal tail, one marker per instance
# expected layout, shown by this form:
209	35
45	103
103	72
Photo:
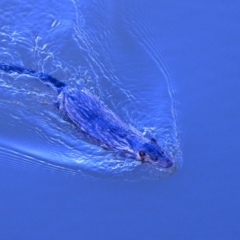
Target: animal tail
42	76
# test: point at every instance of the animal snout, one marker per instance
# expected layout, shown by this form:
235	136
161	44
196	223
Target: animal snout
169	164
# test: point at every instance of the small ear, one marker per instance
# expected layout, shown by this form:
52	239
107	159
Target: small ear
141	154
153	140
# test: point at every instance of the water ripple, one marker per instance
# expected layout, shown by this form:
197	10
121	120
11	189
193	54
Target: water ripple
102	46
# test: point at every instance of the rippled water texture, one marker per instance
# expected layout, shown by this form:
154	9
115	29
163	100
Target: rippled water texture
101	46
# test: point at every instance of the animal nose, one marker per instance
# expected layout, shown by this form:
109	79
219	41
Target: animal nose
166	163
169	164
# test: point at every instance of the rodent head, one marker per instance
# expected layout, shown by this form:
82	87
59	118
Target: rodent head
151	152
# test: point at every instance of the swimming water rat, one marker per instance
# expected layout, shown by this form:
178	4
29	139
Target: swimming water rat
98	123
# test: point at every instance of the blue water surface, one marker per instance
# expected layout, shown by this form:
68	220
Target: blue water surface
168	68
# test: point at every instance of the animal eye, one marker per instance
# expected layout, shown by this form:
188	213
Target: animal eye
142	154
153	140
